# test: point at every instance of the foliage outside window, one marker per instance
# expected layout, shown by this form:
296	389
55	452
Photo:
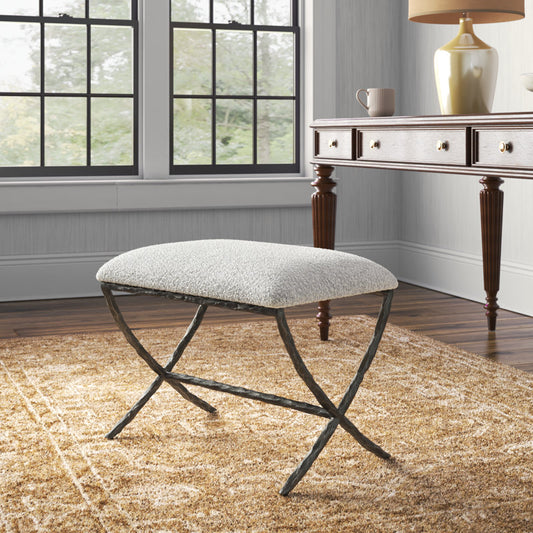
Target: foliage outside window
234	86
68	87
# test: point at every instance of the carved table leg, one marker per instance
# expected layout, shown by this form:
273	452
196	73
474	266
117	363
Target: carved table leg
324	203
491	198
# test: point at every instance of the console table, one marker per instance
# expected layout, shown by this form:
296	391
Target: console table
492	146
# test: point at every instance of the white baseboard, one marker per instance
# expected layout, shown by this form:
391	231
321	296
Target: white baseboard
43	277
449	271
73	275
443	270
461	274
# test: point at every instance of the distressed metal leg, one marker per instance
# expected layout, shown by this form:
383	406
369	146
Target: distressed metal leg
309	459
153	364
130	415
326	409
337	413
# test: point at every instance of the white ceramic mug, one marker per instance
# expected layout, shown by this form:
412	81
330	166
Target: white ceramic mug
379	102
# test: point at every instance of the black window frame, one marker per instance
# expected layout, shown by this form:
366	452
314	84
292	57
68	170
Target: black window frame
253	168
79	170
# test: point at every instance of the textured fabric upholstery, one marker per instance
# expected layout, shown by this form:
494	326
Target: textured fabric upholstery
257	273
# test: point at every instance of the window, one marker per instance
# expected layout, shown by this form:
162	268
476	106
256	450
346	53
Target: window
234	86
68	87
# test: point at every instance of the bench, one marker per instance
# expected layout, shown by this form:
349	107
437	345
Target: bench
256	277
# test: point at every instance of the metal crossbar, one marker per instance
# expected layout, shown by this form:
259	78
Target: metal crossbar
326	409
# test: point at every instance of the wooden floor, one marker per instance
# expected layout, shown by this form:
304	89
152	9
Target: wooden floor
440	316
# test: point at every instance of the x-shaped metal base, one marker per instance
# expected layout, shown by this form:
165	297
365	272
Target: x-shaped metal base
326	409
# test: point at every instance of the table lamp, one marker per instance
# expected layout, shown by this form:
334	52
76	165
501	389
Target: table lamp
466	68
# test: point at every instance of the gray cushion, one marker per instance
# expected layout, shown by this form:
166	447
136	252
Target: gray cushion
257	273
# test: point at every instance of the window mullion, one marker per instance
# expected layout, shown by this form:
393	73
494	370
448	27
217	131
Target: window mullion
42	88
136	85
213	99
88	102
254	111
157	90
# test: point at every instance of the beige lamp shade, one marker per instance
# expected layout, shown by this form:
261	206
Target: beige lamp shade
480	11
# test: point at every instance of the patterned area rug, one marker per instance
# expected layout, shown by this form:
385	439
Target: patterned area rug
459	427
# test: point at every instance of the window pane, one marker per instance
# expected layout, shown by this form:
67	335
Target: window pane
192	61
275	63
273	12
65	131
234	137
20	132
111	131
111	59
275	131
190	10
226	11
65	58
110	9
74	8
19	7
19	57
192	131
254	76
234	53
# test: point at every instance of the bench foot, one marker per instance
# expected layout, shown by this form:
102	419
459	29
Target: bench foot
337	413
153	364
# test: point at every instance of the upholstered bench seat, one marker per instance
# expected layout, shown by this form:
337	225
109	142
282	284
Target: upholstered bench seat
256	273
249	276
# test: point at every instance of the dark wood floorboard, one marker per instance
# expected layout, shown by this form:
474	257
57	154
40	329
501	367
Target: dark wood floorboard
440	316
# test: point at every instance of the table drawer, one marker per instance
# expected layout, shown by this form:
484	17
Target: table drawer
425	145
334	144
510	147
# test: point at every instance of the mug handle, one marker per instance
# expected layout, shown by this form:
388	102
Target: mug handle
359	98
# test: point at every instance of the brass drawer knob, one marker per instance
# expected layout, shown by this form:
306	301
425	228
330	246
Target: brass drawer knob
374	145
505	147
442	146
333	143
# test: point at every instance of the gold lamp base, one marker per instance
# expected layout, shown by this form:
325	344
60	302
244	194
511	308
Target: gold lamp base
465	72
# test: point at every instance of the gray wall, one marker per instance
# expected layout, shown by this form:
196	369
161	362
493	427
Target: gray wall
440	214
424	227
368	55
55	254
357	46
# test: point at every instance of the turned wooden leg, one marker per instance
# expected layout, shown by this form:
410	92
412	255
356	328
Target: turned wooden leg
491	198
324	203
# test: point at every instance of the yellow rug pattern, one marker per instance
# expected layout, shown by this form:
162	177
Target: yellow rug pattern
459	427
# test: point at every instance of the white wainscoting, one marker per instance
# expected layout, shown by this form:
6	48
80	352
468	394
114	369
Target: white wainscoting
441	214
449	271
461	274
46	276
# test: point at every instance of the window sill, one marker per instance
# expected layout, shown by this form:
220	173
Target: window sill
137	194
